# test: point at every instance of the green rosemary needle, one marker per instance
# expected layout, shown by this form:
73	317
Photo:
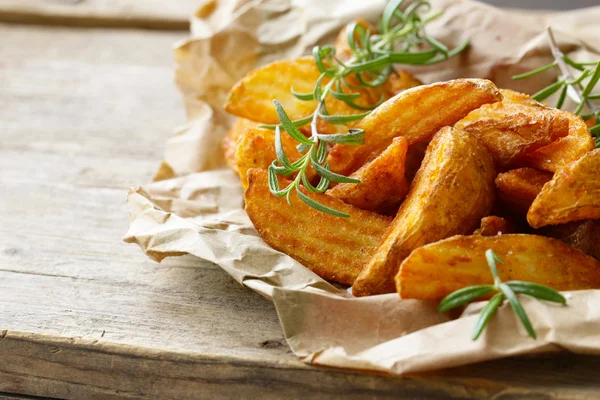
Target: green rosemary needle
504	291
371	63
572	86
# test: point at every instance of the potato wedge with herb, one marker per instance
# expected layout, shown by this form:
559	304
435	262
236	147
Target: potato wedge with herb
518	188
229	143
434	271
417	114
493	225
382	184
573	194
452	191
334	248
256	149
510	131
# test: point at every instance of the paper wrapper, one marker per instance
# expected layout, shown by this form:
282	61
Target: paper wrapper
195	205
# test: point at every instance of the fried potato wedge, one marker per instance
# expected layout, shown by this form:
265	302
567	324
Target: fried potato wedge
434	271
493	225
565	150
230	140
510	131
581	235
334	248
256	149
513	97
573	194
452	191
417	114
382	184
518	188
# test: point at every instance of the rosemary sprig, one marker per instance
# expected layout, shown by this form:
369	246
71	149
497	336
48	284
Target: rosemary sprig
572	86
504	291
401	27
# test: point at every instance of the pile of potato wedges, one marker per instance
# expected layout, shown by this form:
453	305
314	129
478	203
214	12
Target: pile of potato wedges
447	171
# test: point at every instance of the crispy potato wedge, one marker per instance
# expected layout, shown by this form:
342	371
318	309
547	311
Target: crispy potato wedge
581	235
513	97
493	225
382	184
573	194
229	143
518	188
565	150
434	271
510	131
416	114
334	248
256	149
452	191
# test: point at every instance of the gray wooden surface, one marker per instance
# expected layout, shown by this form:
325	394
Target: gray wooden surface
84	114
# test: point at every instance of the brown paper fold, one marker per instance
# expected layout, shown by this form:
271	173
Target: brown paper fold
195	206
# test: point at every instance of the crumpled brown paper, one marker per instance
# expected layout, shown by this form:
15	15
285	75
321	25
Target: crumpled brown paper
196	205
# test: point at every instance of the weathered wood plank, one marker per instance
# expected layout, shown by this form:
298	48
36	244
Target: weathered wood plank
83	115
154	14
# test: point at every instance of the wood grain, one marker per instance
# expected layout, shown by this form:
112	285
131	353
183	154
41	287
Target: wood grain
84	114
152	14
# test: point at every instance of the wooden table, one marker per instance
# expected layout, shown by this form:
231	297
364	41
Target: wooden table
84	114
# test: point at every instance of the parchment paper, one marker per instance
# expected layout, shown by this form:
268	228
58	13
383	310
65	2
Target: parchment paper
195	205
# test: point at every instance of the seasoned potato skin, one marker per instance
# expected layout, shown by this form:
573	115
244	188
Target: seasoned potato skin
382	184
229	143
493	225
573	194
452	191
510	131
434	271
417	114
334	248
518	188
581	235
256	149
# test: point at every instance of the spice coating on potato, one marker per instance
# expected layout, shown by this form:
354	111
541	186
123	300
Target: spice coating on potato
452	191
334	248
417	114
382	184
230	140
573	194
518	188
510	131
434	271
493	225
581	235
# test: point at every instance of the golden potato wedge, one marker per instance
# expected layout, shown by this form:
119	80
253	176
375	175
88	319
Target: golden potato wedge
565	150
334	248
581	235
256	149
513	97
518	188
382	184
493	225
416	114
230	140
452	191
434	271
573	194
510	131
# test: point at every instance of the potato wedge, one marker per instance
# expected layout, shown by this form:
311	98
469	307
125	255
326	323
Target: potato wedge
416	114
452	191
513	97
573	194
518	188
510	131
414	158
382	184
493	225
334	248
581	235
565	150
256	149
434	271
230	140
